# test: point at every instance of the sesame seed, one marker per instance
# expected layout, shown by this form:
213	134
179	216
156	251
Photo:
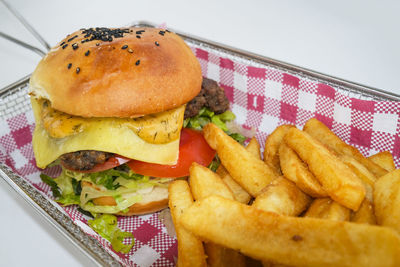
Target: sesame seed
75	46
87	53
78	70
124	47
64	46
97	44
62	43
72	38
157	44
137	62
140	32
161	33
69	65
130	50
167	30
138	36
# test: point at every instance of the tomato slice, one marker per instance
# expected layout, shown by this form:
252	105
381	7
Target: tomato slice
192	148
108	164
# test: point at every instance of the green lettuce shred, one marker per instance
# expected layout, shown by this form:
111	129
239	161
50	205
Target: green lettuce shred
206	116
106	226
53	185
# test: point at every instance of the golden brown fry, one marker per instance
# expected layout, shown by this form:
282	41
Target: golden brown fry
294	169
291	240
326	208
387	200
190	248
271	150
254	147
238	192
360	170
204	182
250	172
385	160
282	197
322	133
341	184
365	213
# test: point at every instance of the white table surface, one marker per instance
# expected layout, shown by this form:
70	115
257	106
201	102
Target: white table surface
355	40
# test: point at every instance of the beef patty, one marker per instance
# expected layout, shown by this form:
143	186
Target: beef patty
211	96
84	160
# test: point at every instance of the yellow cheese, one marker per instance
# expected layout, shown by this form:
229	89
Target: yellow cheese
107	134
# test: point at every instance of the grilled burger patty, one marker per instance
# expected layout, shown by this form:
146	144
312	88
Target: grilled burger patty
84	160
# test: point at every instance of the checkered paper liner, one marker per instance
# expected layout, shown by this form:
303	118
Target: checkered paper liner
261	96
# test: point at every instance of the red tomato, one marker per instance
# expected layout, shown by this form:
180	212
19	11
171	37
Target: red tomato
109	164
192	148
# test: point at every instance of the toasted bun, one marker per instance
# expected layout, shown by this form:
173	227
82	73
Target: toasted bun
129	76
151	202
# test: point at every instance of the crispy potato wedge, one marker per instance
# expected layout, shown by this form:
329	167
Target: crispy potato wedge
271	150
203	183
291	240
365	214
283	197
384	159
250	172
322	133
254	147
294	169
326	208
387	200
190	248
238	192
341	184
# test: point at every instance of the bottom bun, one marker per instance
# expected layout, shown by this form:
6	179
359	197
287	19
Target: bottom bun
151	202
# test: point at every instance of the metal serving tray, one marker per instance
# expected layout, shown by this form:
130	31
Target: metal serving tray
14	100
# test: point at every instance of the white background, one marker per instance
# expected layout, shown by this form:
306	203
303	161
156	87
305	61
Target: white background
355	40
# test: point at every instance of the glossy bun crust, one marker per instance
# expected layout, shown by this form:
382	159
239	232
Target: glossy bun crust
126	72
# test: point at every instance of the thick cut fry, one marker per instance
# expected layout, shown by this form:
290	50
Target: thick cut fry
322	133
282	197
341	184
250	172
294	169
385	160
365	213
387	200
238	192
190	248
271	150
254	147
204	182
291	240
326	208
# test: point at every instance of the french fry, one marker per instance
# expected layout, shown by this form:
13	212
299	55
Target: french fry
294	169
326	208
387	200
384	159
238	192
341	184
190	248
291	240
250	172
254	147
360	170
365	213
322	133
203	183
271	150
283	197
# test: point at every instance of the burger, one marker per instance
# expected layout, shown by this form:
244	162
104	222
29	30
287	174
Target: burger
109	107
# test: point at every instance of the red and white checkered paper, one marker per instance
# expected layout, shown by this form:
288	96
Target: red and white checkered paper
262	99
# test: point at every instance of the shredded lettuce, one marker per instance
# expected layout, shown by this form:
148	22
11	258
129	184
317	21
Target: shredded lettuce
53	185
214	164
206	116
106	226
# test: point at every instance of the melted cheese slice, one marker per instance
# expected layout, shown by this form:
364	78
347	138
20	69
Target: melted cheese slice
104	134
